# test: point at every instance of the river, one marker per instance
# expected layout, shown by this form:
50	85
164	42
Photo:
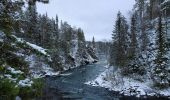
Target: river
70	86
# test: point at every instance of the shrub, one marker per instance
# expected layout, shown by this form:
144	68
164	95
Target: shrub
32	92
25	92
37	87
8	89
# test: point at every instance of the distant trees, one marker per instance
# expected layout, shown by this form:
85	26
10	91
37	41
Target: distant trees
92	48
93	42
65	44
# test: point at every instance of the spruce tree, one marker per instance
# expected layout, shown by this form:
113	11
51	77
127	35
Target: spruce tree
120	41
8	14
93	43
81	42
133	38
32	22
161	61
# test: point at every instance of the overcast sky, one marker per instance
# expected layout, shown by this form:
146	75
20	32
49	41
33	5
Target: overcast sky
95	17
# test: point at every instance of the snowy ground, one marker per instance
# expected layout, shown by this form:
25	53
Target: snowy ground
126	86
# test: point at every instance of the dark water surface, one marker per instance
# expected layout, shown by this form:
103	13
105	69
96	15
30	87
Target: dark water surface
70	86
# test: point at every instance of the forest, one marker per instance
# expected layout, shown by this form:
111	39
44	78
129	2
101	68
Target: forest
40	55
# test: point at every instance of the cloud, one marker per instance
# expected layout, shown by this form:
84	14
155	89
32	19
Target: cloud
95	17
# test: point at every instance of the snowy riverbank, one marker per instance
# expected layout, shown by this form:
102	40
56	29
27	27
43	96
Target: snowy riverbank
125	85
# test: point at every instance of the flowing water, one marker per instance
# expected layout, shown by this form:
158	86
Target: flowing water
70	86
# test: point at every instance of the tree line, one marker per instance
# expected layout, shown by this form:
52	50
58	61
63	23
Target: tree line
142	47
66	44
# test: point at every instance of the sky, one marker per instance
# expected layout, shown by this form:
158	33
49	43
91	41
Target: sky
95	17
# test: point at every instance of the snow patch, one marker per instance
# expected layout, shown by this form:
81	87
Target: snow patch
1	36
26	82
66	74
14	71
39	69
38	48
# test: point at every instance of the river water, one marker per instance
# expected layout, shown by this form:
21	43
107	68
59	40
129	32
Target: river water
70	86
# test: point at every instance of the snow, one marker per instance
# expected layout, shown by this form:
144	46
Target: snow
26	82
23	83
126	85
1	36
39	69
50	73
75	48
166	1
31	60
14	71
38	48
66	74
21	30
19	54
90	59
8	76
38	74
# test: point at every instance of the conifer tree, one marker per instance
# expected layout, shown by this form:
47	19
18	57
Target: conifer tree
161	61
120	41
93	43
8	9
133	38
32	22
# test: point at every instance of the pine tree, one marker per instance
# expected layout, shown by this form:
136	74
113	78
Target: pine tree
93	43
8	9
81	39
161	61
120	41
32	22
133	38
55	34
66	33
81	52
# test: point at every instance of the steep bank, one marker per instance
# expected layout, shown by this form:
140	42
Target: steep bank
23	64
